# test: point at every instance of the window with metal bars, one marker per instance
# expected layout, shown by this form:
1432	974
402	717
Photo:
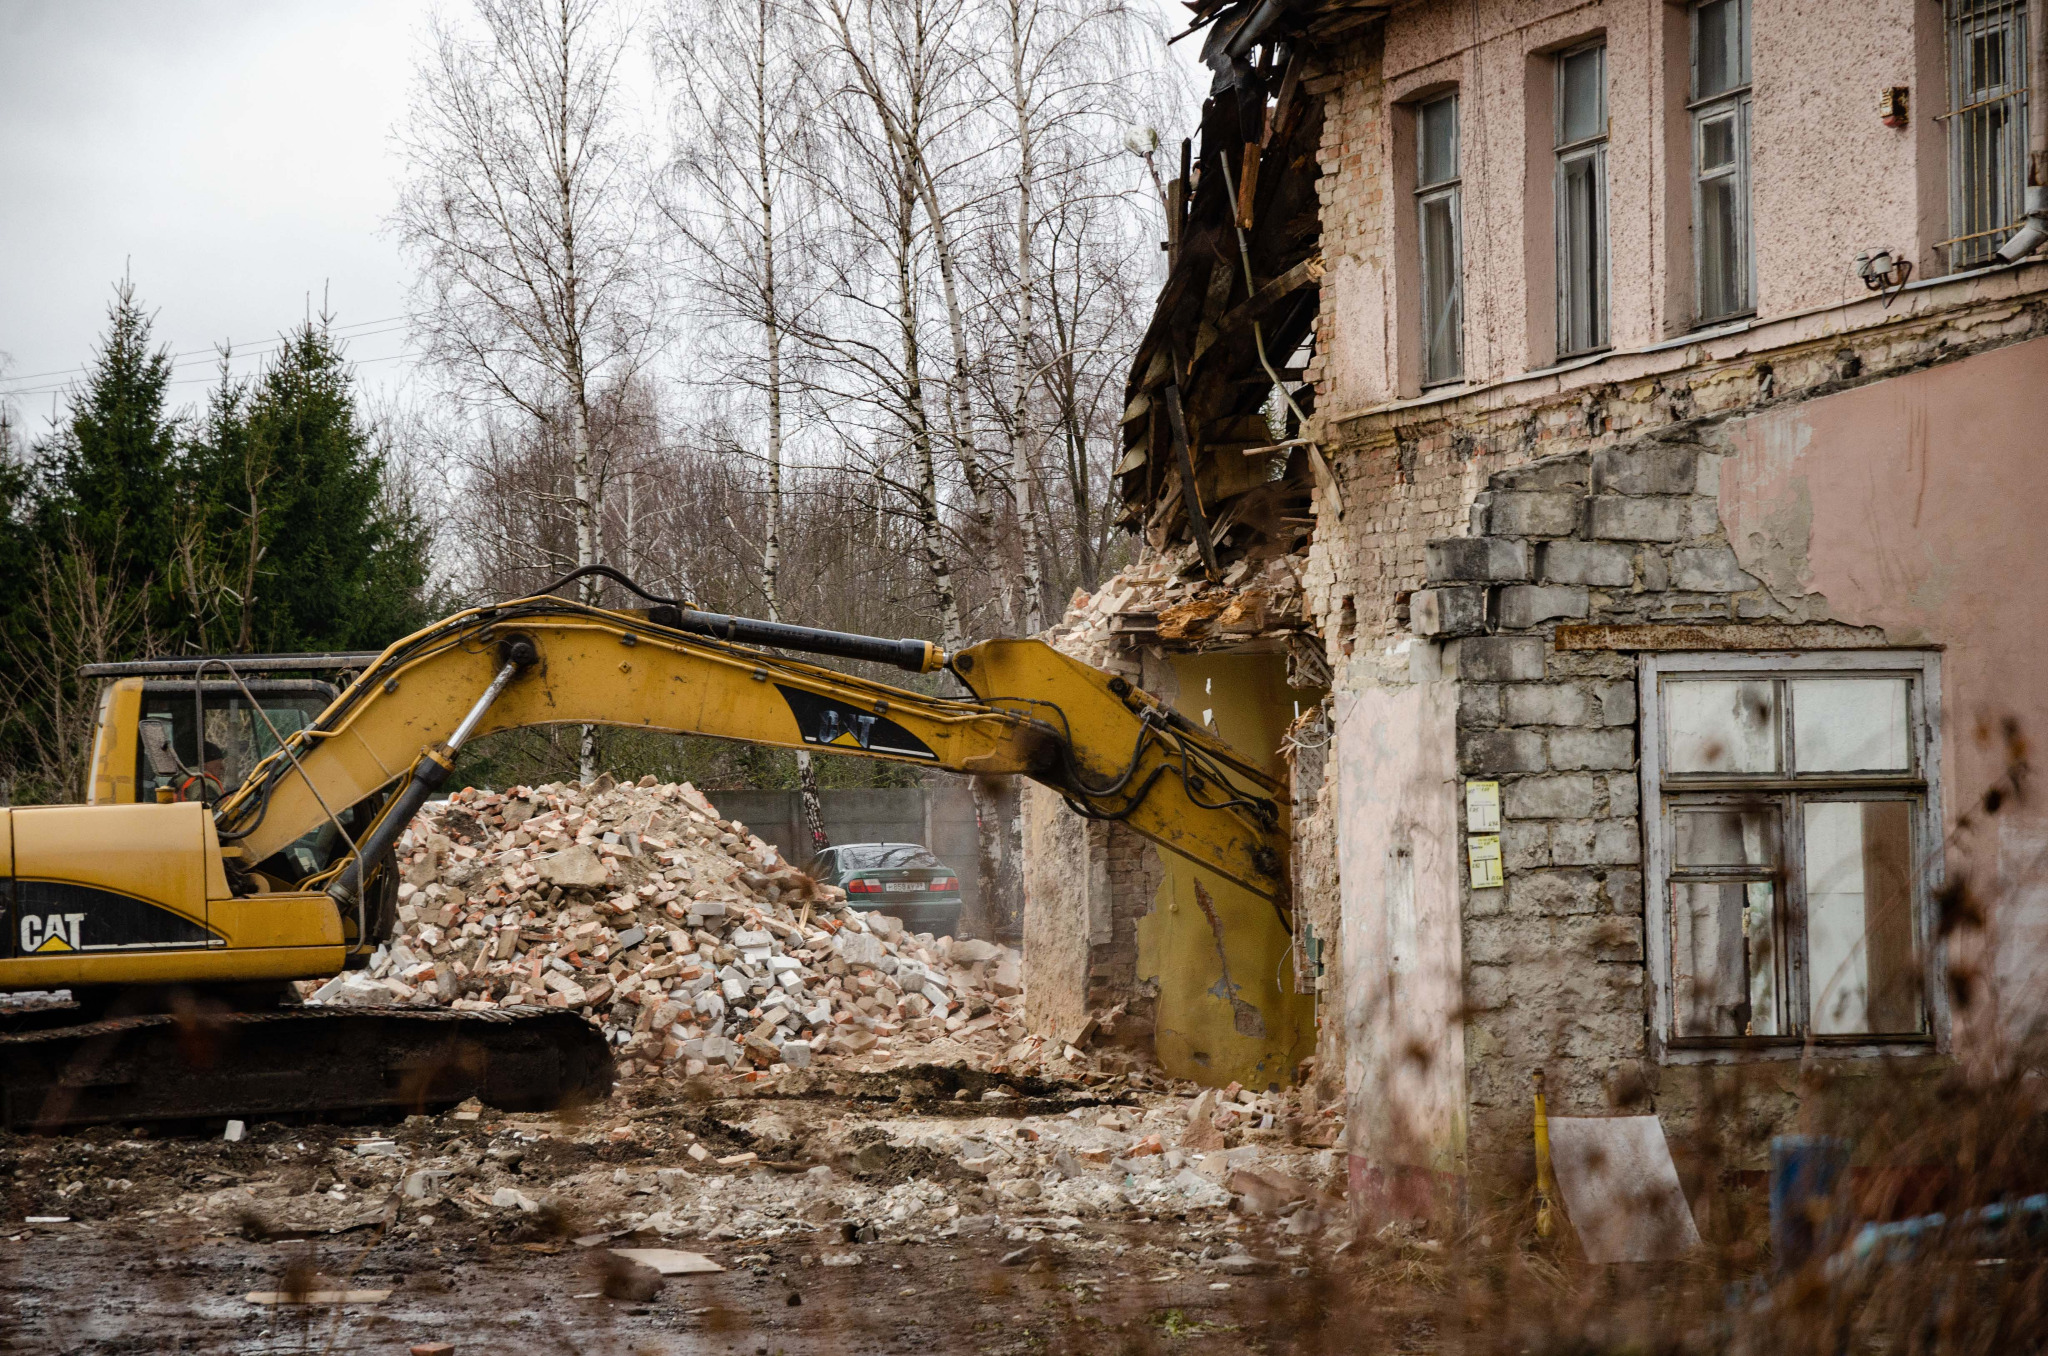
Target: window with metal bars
1724	262
1987	125
1440	231
1582	200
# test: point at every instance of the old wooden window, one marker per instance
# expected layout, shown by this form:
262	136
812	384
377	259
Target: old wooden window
1440	231
1582	200
1724	262
1987	125
1790	810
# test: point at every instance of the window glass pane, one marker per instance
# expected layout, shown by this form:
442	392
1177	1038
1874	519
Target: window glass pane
1984	70
1443	323
1717	143
1724	837
1721	51
1582	253
1721	725
1438	137
1724	276
1725	960
1849	725
1582	95
1863	968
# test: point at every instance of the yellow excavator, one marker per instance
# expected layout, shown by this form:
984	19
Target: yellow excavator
176	904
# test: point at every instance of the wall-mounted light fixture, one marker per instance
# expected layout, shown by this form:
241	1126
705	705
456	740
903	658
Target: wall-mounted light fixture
1891	106
1880	269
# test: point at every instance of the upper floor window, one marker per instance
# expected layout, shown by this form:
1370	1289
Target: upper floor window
1724	263
1790	814
1987	125
1440	229
1582	200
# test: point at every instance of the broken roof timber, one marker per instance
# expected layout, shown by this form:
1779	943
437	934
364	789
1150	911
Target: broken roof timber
1240	298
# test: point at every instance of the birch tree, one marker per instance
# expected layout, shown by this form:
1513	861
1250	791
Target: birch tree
524	207
741	96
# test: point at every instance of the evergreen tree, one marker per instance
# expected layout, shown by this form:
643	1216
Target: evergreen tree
305	546
109	472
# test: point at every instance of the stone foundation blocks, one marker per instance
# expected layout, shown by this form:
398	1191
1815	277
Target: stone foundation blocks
1475	559
1571	796
1549	514
1709	569
1615	518
1448	612
1546	704
1571	750
1501	659
1494	752
1653	469
1526	605
1599	564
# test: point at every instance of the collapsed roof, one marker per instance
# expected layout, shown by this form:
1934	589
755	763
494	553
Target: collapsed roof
1215	399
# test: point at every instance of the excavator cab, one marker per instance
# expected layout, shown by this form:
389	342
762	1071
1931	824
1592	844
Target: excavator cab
172	730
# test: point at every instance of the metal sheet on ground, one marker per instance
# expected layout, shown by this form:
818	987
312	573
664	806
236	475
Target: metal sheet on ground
1620	1188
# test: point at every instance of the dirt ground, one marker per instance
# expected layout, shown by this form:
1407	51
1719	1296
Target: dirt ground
915	1210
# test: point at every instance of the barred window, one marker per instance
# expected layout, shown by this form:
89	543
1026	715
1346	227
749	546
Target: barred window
1987	125
1790	812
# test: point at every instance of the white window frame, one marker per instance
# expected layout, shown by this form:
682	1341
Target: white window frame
1448	191
1592	152
1923	784
1734	103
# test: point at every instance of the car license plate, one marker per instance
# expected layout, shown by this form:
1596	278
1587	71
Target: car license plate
895	886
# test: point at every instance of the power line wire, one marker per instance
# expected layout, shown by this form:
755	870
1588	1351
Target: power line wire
346	331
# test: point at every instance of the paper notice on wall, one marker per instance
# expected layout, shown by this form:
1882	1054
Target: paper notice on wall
1482	807
1482	854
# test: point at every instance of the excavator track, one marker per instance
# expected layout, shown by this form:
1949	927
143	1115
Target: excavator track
296	1063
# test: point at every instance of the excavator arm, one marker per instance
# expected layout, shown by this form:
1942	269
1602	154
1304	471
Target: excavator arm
1109	749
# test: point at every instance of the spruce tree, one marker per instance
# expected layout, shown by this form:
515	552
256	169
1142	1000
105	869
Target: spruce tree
313	553
109	471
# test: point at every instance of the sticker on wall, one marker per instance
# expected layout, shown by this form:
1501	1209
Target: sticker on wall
1482	855
1482	807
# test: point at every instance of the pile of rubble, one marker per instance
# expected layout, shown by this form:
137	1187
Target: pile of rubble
1165	596
762	1167
684	936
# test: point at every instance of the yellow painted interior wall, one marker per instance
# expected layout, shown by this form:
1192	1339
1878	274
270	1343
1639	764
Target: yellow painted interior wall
1254	1029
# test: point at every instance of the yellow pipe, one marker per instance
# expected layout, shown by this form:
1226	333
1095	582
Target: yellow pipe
1546	1188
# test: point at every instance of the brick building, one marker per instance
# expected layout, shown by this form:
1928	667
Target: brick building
1671	587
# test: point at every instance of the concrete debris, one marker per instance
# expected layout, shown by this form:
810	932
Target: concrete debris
684	936
626	1279
669	1261
318	1297
1164	596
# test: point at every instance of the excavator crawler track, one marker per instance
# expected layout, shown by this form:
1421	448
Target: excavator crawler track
296	1063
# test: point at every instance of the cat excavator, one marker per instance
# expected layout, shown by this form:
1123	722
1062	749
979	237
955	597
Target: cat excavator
239	834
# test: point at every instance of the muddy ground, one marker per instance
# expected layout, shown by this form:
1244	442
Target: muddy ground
908	1211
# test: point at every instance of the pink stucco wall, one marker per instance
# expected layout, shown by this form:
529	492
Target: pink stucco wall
1401	948
1829	179
1916	505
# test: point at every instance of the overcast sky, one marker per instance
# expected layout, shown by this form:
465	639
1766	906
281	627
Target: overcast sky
234	158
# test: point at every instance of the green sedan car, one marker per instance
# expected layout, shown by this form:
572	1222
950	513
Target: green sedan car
903	880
